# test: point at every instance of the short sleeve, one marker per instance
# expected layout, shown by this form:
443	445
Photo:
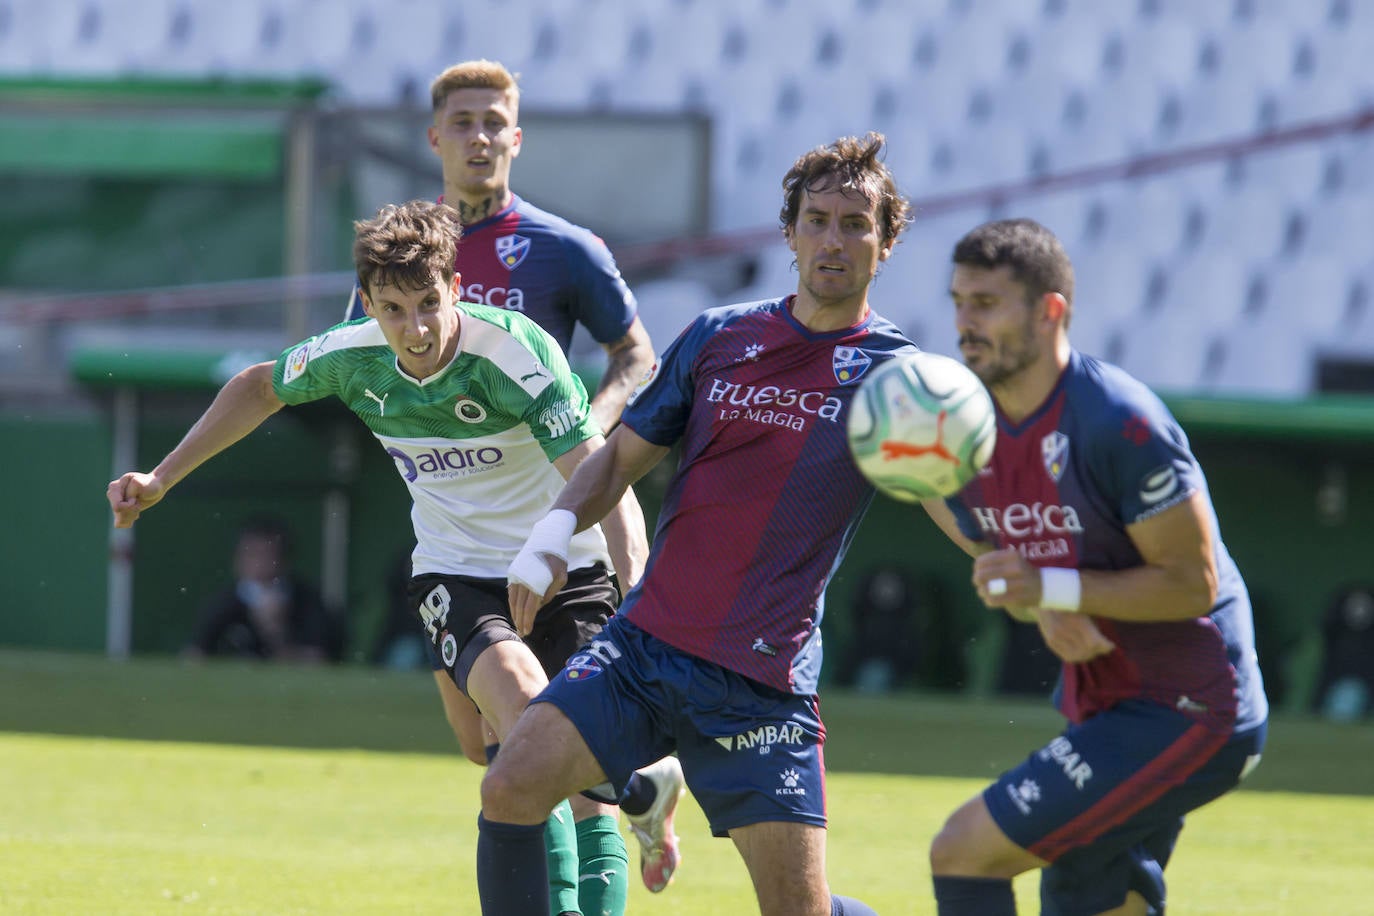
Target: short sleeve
603	302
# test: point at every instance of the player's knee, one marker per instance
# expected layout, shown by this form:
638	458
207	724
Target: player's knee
506	797
499	792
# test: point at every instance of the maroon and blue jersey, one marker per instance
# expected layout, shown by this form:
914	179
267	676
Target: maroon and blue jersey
527	260
766	498
1102	453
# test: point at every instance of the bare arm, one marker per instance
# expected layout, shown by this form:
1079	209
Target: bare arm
1177	579
1073	638
627	359
240	407
623	525
597	486
601	481
944	520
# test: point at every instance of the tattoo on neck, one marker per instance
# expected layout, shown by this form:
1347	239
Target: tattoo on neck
469	213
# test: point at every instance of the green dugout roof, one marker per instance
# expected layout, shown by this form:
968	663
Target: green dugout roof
148	128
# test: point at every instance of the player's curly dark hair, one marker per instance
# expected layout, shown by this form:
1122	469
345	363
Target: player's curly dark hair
1036	257
407	245
853	164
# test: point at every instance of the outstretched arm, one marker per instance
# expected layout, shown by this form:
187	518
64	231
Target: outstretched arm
944	520
239	408
623	525
594	490
627	360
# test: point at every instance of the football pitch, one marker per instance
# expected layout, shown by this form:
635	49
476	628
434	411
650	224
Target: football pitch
147	787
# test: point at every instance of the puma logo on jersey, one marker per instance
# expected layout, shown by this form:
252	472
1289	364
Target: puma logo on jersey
537	373
381	401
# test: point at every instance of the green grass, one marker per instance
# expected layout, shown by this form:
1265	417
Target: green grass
148	787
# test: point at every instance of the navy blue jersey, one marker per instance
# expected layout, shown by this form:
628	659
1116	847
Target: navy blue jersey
1102	453
766	498
527	260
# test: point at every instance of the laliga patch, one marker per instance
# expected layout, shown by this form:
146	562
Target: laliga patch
1159	485
295	364
582	667
1054	451
512	249
850	364
644	382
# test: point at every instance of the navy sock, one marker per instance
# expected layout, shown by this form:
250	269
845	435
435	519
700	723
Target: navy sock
973	896
848	906
491	750
512	872
639	795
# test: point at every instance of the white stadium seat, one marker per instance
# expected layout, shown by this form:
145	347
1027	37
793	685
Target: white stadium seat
1163	352
1208	291
971	93
1258	360
1307	297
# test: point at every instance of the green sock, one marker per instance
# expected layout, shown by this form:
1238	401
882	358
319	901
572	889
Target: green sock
604	882
560	843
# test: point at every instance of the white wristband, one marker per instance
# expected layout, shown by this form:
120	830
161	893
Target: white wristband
552	535
1060	589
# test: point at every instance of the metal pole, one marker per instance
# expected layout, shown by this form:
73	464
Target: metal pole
119	606
334	521
300	207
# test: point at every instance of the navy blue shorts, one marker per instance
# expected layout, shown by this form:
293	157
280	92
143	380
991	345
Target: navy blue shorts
750	753
476	613
1104	801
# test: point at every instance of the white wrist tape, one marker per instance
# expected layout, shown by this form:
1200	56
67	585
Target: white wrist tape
551	535
1060	589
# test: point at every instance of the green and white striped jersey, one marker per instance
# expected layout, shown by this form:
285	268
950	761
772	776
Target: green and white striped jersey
473	442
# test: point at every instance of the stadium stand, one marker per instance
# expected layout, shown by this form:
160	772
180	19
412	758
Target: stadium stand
972	94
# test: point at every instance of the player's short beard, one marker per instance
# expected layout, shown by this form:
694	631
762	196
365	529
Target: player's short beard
1013	357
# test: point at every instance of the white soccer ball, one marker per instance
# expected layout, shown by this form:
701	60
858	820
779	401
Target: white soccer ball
921	426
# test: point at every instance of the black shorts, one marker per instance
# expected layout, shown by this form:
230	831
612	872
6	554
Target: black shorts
472	614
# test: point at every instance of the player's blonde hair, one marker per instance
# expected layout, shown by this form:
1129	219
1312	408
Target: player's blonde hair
409	246
851	164
475	74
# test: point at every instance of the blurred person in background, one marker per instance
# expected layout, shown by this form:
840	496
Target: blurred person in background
512	254
484	419
516	256
1093	519
1345	685
270	612
885	647
717	652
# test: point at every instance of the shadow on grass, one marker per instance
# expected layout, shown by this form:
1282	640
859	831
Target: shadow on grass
371	709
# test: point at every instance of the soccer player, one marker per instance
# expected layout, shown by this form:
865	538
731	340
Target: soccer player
484	419
716	653
1093	519
515	256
